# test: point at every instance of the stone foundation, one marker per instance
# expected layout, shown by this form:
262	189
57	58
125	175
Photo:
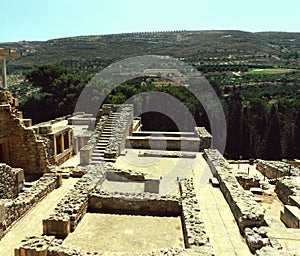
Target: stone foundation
290	216
71	209
247	181
134	203
16	208
245	210
11	181
287	187
276	169
194	230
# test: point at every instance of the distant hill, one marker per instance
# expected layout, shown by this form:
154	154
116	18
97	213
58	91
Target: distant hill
90	54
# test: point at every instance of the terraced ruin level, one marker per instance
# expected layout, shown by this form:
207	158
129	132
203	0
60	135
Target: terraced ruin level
85	185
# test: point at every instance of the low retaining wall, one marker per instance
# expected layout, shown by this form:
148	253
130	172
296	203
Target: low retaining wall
71	209
48	245
134	203
194	229
247	181
287	187
245	210
11	181
16	208
276	169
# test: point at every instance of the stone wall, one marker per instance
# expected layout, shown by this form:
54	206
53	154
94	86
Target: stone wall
276	169
247	181
205	137
11	181
71	209
16	208
286	187
245	210
194	229
134	203
258	238
25	149
48	245
120	130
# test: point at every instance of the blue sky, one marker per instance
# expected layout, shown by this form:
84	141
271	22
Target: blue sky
48	19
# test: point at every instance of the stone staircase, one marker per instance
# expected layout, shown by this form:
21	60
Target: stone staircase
102	142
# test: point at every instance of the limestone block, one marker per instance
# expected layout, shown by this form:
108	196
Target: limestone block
290	216
152	186
57	226
295	201
86	154
2	211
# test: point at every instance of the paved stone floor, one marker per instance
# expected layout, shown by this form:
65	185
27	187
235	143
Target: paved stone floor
219	221
125	233
31	223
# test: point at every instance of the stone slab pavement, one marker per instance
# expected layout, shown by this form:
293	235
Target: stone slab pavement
219	221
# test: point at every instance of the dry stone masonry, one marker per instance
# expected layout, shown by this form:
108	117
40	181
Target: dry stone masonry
194	230
11	181
245	210
16	208
22	147
71	209
276	169
134	203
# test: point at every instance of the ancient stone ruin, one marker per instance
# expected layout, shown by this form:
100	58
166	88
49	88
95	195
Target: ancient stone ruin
84	185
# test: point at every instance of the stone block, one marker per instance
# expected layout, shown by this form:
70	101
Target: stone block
86	154
19	175
295	201
56	226
152	186
27	122
257	191
214	182
59	181
2	211
45	129
290	216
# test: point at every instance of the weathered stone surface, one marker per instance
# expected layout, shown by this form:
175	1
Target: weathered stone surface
11	181
290	216
247	181
139	203
256	238
25	148
70	210
286	187
15	208
270	251
276	169
245	210
194	230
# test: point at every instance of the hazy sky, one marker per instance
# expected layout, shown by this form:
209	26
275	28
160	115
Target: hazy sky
48	19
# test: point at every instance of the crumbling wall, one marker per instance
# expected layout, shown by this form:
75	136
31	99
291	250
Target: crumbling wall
140	203
276	169
25	149
245	210
193	226
11	181
15	208
287	187
71	209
